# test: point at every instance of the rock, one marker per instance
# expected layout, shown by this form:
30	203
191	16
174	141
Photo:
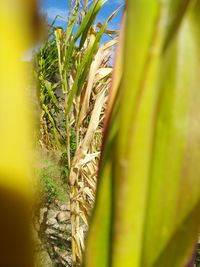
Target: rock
65	207
58	232
56	226
50	231
58	203
63	216
67	257
62	206
63	227
52	214
51	221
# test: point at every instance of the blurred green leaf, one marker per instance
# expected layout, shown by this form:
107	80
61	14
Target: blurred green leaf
148	196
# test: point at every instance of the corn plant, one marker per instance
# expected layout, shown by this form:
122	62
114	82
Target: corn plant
52	132
86	89
82	66
148	194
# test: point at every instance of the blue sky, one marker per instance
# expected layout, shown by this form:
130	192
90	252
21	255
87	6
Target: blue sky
52	8
60	7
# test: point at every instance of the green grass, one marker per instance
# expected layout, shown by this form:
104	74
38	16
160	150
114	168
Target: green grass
51	183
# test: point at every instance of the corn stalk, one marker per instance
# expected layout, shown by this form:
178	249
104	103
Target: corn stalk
87	90
148	195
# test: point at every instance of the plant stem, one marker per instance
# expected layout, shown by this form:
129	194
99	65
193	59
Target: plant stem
68	142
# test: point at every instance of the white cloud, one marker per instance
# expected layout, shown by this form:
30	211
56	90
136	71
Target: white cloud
52	12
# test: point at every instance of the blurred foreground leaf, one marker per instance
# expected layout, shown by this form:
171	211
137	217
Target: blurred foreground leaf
17	33
148	199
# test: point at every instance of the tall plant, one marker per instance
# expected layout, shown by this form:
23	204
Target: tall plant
81	62
148	199
86	62
52	126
